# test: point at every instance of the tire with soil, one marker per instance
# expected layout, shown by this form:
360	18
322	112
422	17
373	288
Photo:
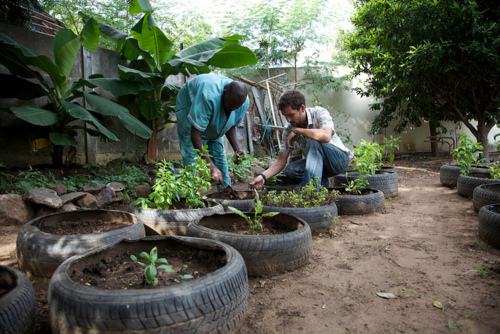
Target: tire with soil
467	183
40	253
265	255
240	204
485	194
173	222
387	182
369	201
319	219
448	174
489	224
215	303
17	303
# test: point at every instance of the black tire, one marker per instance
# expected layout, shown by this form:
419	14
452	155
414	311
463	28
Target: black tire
489	224
371	200
215	303
467	183
387	182
265	255
240	204
40	253
448	174
319	219
173	222
485	194
17	304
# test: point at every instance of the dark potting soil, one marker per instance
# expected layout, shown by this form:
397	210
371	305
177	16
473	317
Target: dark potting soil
120	272
83	227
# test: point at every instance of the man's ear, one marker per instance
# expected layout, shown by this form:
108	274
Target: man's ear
302	108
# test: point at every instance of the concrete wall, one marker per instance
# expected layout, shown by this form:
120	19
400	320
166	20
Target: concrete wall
16	135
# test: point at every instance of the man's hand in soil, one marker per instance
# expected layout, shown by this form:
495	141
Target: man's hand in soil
216	175
237	155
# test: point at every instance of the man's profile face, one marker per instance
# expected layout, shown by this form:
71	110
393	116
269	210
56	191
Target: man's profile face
231	102
297	118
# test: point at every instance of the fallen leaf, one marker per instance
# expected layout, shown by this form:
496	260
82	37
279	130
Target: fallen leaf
385	295
438	305
262	283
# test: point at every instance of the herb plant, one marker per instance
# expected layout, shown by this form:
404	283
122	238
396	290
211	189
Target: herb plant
466	153
357	185
170	186
494	169
241	170
311	195
150	269
254	222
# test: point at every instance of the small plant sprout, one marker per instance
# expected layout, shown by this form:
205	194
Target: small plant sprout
150	270
255	225
184	278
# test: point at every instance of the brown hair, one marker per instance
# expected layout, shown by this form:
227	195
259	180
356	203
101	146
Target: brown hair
292	98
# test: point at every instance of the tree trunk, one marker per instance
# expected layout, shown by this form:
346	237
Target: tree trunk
432	130
57	156
151	153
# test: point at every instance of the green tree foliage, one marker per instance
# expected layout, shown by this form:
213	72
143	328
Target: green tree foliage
429	59
17	12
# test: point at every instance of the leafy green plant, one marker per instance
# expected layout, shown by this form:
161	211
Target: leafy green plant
466	153
357	185
311	195
33	75
241	169
170	185
150	269
494	169
254	222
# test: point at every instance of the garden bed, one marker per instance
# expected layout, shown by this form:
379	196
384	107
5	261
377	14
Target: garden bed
422	248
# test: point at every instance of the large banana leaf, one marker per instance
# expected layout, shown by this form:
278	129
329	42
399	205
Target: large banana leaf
90	33
62	139
233	55
138	6
18	58
83	114
109	108
33	114
152	39
119	87
9	88
66	46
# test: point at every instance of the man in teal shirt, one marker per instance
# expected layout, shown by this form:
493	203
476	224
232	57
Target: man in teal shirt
209	107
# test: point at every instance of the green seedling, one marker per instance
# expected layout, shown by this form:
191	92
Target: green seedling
184	278
483	271
255	225
150	270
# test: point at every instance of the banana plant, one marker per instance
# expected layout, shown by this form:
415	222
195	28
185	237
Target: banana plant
153	59
33	75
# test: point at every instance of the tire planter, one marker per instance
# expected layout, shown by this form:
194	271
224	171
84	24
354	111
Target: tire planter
40	253
387	182
173	222
489	224
17	304
215	303
485	194
240	204
264	255
319	219
371	200
448	174
467	184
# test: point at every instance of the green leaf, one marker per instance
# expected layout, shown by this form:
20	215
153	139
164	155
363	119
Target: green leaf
167	269
62	139
119	87
139	6
109	108
66	46
33	114
150	273
91	33
154	254
233	55
238	212
78	112
146	256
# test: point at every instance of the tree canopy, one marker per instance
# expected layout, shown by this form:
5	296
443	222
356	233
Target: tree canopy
429	59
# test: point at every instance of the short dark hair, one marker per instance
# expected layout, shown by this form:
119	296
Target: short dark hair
292	98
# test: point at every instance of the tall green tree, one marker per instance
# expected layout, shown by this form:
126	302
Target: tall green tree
436	60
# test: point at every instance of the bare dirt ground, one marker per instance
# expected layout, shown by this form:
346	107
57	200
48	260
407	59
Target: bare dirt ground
423	248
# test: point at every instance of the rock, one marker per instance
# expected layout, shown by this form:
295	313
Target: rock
93	188
14	210
105	197
71	197
143	190
87	201
60	189
43	196
115	186
67	208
